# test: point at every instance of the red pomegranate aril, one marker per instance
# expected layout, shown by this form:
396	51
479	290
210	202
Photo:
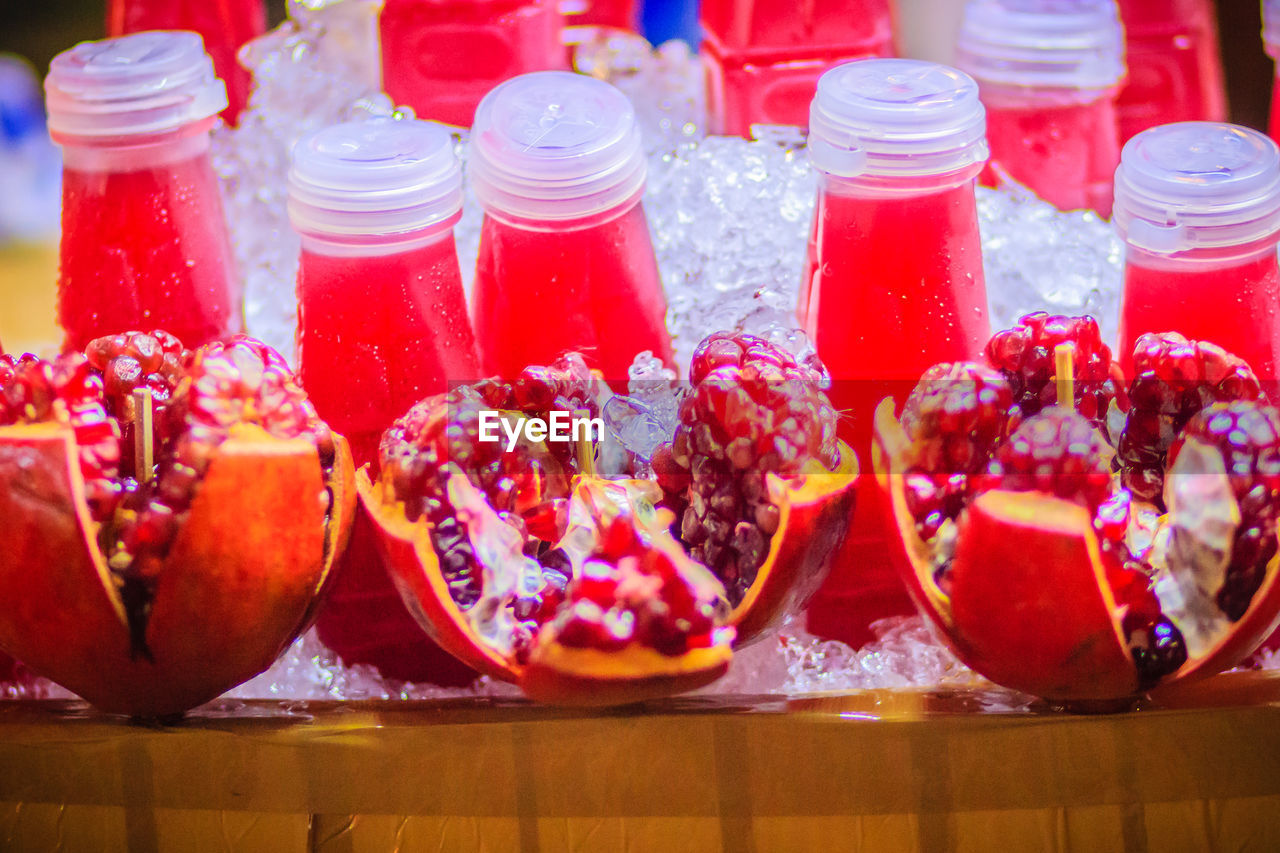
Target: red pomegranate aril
1058	452
1174	378
1025	354
955	418
751	410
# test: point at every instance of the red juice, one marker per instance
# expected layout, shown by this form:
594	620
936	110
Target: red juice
145	249
566	260
1175	69
1048	74
596	290
382	323
378	333
1233	304
1198	206
896	286
764	58
441	56
144	241
1066	153
893	282
225	26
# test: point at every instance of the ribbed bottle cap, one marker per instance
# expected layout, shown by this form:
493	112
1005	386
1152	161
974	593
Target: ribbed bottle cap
140	84
1197	185
896	118
553	145
1271	26
1075	44
376	177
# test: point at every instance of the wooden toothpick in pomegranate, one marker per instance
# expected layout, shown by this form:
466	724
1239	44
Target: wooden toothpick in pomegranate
143	435
1064	357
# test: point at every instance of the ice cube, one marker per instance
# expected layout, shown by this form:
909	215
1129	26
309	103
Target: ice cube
1038	258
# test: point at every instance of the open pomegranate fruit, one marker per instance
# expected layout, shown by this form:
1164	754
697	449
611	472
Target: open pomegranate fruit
1096	549
518	559
151	585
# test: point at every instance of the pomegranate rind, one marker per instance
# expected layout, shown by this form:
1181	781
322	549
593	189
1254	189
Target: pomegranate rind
232	593
406	550
814	515
1246	635
341	483
559	675
1030	603
1023	562
909	553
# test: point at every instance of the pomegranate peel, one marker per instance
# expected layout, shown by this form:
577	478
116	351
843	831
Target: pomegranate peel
567	676
1197	533
1029	603
553	672
1022	562
911	554
223	606
410	557
815	512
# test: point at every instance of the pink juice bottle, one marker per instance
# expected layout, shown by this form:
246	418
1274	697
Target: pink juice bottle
894	281
224	26
763	58
1175	69
566	261
382	323
144	241
442	56
1198	206
1048	72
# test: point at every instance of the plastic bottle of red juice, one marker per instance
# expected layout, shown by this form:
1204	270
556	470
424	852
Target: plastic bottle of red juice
566	261
1198	206
763	58
894	280
1175	69
441	56
144	242
224	26
1271	38
1048	72
382	323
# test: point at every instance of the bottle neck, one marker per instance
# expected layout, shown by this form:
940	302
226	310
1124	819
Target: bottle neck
1007	97
559	225
375	246
1204	259
135	153
881	187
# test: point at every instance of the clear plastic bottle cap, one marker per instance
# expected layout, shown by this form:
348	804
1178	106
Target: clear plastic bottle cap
1197	185
140	84
376	177
553	145
1070	44
896	118
1271	26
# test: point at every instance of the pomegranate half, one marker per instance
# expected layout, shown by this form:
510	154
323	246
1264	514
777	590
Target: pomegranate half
149	595
530	568
1020	539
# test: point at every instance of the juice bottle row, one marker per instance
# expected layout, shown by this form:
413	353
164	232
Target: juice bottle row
763	59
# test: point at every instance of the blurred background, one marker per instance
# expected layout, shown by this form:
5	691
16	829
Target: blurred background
37	31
